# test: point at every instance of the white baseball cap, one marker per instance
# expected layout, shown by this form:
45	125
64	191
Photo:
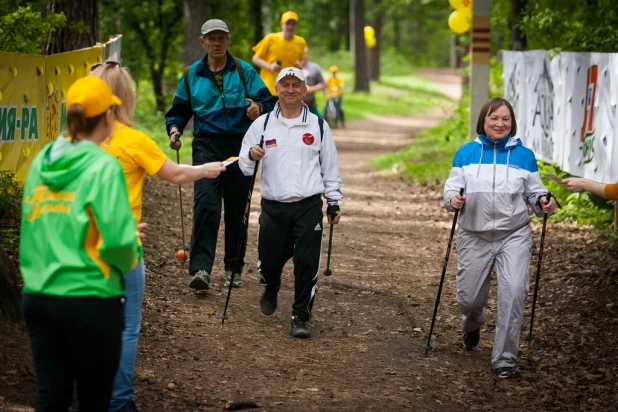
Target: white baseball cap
291	71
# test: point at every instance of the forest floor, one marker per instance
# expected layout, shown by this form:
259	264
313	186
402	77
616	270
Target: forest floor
370	318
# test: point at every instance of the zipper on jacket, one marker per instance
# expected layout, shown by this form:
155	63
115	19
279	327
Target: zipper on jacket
493	186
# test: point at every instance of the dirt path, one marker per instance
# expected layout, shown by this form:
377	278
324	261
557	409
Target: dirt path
370	318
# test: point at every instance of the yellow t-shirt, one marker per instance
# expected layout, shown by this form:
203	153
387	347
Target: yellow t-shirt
272	48
334	86
138	154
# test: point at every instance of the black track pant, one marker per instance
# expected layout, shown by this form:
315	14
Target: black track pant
292	230
231	187
74	340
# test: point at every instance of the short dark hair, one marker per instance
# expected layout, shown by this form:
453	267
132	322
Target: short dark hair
491	106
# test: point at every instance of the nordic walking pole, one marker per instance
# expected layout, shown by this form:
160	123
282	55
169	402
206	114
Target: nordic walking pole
328	271
243	233
182	217
448	252
538	270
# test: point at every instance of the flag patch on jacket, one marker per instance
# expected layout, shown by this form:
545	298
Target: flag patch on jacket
271	143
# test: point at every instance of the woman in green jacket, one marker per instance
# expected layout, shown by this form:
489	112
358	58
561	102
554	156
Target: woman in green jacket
78	237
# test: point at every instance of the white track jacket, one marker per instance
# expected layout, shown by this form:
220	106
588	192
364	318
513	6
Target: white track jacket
298	162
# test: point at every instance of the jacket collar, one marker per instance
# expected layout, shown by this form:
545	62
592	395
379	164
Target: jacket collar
204	71
508	143
304	112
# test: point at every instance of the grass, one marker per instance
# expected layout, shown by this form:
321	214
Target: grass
431	156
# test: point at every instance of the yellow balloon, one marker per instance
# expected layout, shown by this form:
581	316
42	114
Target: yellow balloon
458	22
370	42
456	4
369	32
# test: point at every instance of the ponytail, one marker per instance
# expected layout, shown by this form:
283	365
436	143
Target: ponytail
78	124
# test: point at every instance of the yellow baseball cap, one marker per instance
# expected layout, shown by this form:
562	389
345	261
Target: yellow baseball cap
93	94
289	15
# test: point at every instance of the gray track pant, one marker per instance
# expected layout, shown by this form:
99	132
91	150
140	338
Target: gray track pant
511	257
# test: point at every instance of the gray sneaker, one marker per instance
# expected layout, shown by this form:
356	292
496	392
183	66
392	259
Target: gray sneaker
237	279
200	281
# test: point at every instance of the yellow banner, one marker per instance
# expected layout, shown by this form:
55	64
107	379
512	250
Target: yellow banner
32	102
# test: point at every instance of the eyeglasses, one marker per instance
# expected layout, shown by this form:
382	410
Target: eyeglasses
109	62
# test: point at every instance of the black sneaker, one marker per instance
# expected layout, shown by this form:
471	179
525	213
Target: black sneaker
268	302
471	339
300	329
506	372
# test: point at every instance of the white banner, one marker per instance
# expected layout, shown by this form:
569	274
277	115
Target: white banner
565	109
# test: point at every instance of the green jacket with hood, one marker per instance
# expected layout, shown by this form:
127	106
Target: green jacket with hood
78	235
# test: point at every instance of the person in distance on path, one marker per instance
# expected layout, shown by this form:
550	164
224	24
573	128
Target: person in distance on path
500	178
299	166
278	50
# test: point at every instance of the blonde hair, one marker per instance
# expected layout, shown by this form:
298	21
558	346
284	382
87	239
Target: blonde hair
122	85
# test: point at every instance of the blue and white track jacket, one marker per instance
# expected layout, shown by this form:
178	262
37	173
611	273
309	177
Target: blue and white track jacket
499	178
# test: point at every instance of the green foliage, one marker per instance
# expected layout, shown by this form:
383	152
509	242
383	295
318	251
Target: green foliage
24	28
431	156
496	82
583	208
10	196
580	26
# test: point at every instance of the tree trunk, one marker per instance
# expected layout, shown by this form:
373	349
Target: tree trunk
196	12
256	13
396	33
69	38
357	11
375	52
518	37
10	294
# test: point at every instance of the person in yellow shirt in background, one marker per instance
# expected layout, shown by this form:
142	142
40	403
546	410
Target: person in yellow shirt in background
334	96
278	50
138	154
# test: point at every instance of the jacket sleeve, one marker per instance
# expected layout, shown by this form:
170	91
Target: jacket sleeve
611	191
109	202
252	137
256	89
181	112
456	180
329	164
533	186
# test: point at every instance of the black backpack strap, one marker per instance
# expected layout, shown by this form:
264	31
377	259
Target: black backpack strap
187	88
266	120
321	124
241	75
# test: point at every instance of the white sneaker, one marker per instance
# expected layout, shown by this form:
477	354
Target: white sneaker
237	279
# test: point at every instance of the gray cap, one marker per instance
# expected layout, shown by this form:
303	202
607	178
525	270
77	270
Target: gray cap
213	25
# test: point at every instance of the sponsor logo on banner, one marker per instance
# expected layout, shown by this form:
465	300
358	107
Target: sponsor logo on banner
308	139
587	130
544	114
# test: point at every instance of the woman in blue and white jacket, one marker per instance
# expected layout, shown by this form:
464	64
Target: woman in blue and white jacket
500	179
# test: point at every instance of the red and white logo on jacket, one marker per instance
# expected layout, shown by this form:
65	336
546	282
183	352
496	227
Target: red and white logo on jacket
308	139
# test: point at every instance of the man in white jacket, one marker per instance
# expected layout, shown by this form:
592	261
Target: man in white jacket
299	165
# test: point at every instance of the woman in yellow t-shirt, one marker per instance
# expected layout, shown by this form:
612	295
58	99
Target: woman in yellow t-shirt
334	96
138	154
